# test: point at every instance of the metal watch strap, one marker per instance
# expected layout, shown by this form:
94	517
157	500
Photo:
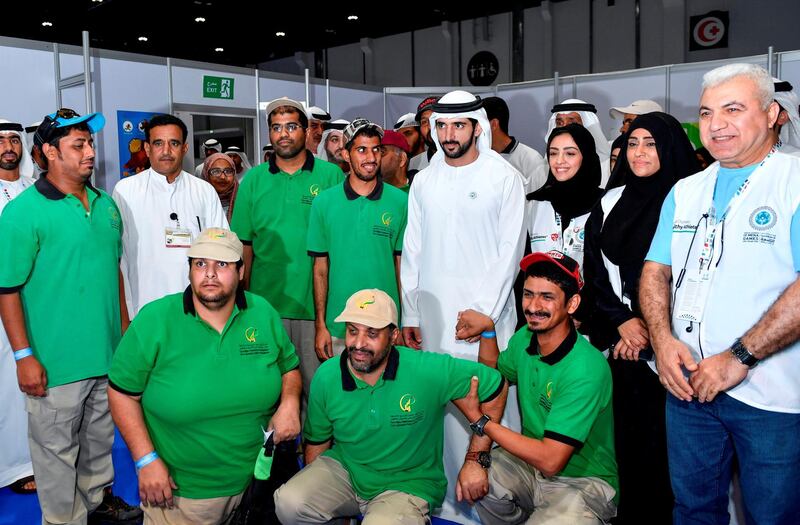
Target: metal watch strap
742	354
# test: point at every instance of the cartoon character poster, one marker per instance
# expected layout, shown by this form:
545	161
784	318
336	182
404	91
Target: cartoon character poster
130	127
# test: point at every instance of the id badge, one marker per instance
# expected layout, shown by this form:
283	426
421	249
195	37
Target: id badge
177	238
695	294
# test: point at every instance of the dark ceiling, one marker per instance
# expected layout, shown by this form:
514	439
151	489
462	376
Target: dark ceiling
246	31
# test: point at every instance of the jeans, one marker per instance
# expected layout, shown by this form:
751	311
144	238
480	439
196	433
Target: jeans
703	439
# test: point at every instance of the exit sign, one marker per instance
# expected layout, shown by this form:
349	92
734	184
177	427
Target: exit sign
217	87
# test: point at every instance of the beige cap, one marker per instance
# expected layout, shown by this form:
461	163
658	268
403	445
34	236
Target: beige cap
217	244
637	107
371	307
285	101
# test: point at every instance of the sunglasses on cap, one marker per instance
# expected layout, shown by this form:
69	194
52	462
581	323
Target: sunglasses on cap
45	129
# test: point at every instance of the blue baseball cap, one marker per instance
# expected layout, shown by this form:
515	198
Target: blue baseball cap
95	121
65	118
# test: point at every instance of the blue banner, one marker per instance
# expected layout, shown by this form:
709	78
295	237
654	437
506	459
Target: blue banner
130	128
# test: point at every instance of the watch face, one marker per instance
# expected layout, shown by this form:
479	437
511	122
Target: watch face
485	459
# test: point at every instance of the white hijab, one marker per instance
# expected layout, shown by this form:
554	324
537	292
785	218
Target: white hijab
590	122
26	162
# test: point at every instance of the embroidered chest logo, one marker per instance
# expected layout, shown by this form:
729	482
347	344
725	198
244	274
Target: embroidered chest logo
408	415
113	218
384	229
554	237
472	195
313	191
251	346
545	398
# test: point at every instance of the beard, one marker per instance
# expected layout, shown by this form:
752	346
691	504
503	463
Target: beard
214	301
367	366
290	151
462	148
10	165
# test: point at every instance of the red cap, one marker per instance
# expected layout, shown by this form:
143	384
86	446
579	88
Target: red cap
395	138
566	263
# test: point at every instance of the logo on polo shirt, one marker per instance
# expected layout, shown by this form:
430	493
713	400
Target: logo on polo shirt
113	218
554	237
544	397
251	346
384	229
406	402
407	415
314	189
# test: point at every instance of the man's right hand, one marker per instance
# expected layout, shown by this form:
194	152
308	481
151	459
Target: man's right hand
413	337
323	344
671	355
31	376
156	485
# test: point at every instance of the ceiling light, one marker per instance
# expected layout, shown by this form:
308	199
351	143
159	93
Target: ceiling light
199	19
280	33
98	1
47	24
352	17
142	39
219	50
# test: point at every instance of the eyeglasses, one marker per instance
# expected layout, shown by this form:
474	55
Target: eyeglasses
291	127
45	129
218	172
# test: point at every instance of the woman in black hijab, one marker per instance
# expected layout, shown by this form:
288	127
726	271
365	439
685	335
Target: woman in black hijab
655	155
561	207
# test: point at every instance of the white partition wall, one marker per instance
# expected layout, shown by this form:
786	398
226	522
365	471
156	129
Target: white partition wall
529	107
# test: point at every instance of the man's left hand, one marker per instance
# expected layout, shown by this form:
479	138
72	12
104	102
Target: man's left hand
473	482
717	374
285	422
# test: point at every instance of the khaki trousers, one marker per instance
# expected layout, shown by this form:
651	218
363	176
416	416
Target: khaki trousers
322	492
187	511
70	434
518	493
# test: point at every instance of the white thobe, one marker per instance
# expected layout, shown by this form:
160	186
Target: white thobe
147	202
15	460
462	247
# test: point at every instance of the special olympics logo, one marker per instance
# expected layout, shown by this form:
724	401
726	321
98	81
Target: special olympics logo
708	31
763	218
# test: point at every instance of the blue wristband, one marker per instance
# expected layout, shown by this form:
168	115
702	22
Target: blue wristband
22	353
146	460
489	335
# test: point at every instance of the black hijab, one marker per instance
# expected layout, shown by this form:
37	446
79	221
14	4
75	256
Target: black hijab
576	196
630	226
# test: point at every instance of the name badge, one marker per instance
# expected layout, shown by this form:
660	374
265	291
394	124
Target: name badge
177	238
695	294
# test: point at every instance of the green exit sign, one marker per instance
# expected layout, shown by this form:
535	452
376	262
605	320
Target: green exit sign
217	87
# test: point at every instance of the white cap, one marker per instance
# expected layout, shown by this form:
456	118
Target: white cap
637	107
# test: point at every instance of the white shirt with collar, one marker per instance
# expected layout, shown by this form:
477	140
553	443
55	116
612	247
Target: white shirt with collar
147	203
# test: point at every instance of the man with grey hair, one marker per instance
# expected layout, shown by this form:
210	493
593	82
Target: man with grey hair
709	330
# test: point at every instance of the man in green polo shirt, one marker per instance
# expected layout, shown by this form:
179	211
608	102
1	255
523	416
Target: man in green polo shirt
375	424
271	217
561	470
60	245
355	235
193	383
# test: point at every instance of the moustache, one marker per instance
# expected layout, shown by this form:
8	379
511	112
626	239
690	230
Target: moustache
166	158
362	350
539	313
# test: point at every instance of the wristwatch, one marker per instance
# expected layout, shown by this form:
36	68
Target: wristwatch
743	355
483	458
477	427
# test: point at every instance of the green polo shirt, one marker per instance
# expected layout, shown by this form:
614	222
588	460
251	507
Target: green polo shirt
205	395
389	436
361	237
271	213
64	261
565	396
